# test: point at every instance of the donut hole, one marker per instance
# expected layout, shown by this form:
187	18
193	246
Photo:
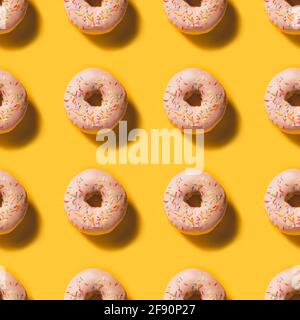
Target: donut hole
1	96
293	199
93	295
94	98
293	2
193	199
94	199
194	295
1	200
194	98
293	98
93	3
194	3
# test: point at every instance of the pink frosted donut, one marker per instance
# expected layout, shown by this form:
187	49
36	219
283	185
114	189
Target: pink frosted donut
284	15
12	13
282	188
192	284
87	117
94	284
213	100
13	203
13	103
194	220
95	16
285	286
95	202
280	111
195	19
10	287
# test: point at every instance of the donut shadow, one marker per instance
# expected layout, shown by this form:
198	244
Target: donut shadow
132	119
125	232
222	34
294	239
294	38
25	233
25	132
222	235
295	138
225	131
25	32
123	34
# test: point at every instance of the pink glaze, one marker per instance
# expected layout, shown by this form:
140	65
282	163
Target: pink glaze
95	220
13	203
213	104
194	220
96	19
10	287
191	282
192	19
88	283
12	13
280	212
91	119
14	102
285	285
280	111
284	15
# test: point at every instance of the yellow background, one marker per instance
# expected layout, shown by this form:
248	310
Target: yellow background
244	152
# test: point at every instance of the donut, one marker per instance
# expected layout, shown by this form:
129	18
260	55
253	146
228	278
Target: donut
194	284
107	112
285	285
212	106
284	15
12	12
95	202
200	219
10	287
282	188
96	16
195	19
13	203
280	111
13	102
94	284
